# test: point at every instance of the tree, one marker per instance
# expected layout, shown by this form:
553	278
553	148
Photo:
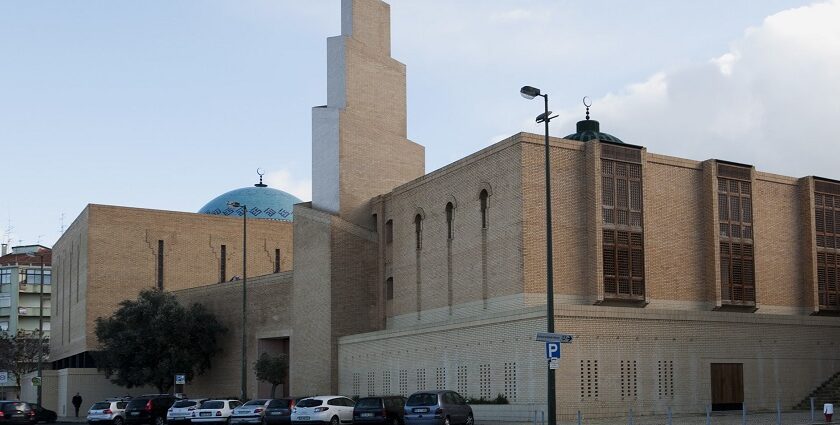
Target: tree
19	353
148	340
271	369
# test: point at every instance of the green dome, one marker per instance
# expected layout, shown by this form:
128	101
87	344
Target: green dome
590	130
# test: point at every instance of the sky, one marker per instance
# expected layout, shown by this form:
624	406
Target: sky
166	104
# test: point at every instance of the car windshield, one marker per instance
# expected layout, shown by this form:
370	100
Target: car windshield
184	403
213	404
255	403
310	402
369	403
137	402
102	405
422	399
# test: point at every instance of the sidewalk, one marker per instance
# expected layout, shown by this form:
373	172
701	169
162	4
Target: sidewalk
734	418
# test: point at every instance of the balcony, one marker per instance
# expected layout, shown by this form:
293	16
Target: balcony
32	311
34	288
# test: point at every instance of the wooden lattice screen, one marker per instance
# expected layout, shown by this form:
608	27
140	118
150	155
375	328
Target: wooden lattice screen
827	220
623	230
735	217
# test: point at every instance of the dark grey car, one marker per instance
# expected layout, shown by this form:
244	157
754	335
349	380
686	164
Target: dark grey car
438	407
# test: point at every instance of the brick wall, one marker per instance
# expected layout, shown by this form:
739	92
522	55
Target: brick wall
110	253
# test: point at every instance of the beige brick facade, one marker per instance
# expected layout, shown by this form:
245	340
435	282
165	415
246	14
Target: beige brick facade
110	253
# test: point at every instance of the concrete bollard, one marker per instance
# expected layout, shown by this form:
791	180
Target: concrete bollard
709	414
579	418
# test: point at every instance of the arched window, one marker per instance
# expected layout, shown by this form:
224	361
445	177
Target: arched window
389	288
418	230
450	212
483	198
389	231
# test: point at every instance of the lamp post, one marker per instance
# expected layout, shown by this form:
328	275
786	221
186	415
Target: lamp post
243	390
529	93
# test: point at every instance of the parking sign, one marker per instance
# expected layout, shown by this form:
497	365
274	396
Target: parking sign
552	350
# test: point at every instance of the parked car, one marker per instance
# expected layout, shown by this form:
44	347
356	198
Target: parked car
43	415
440	407
328	409
108	411
16	412
181	411
214	411
251	412
379	410
148	409
279	411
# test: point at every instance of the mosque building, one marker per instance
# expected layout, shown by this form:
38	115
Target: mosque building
684	283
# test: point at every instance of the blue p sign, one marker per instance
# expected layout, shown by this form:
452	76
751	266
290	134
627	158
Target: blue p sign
552	350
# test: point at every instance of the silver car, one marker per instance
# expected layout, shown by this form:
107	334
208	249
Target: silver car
251	412
181	412
109	411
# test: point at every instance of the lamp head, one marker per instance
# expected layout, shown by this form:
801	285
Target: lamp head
234	204
544	116
529	92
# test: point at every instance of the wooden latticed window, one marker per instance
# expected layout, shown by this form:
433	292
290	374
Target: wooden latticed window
737	263
827	220
623	233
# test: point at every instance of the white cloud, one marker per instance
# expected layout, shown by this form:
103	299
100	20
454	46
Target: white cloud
773	100
284	180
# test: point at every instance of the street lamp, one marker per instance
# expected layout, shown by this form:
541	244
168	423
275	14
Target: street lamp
529	93
243	390
40	256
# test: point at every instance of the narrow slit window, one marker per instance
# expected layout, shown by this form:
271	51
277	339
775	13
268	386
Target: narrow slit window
223	264
483	200
418	231
389	288
449	216
277	260
160	265
389	231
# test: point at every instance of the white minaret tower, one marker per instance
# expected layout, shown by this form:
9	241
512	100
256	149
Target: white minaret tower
359	144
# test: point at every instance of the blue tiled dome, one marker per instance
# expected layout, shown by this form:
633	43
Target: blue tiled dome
262	202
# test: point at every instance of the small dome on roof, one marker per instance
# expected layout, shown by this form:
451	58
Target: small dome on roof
261	201
590	130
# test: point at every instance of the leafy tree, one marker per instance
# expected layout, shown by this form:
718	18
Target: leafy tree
150	339
19	353
271	369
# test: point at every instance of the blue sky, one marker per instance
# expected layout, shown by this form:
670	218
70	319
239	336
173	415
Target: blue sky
166	104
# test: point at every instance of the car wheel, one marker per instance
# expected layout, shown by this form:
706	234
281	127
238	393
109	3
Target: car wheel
470	420
160	421
334	421
118	421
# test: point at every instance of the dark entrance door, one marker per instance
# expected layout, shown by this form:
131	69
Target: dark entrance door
727	386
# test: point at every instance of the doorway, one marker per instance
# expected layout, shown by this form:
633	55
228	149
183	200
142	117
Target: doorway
727	386
273	347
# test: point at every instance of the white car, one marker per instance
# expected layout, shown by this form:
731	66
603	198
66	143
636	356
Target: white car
251	412
181	411
327	409
214	411
109	411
